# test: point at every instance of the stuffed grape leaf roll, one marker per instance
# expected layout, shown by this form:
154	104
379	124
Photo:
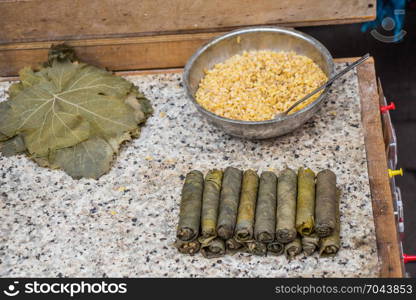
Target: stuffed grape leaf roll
305	208
229	199
286	206
265	221
326	203
190	209
210	204
244	228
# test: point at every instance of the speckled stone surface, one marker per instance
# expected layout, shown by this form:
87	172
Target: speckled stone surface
124	224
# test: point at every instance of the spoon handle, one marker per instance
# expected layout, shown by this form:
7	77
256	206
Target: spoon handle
329	82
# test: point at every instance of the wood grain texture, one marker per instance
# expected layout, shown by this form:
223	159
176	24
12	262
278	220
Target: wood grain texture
155	52
389	135
384	219
51	20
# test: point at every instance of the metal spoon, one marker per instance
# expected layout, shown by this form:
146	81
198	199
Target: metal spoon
326	84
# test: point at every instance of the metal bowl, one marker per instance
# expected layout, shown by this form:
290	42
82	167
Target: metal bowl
257	38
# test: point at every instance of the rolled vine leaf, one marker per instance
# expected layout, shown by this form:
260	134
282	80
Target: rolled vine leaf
190	209
210	204
305	207
229	200
293	248
232	246
276	248
265	221
213	248
187	247
256	248
326	203
286	206
329	246
310	243
244	229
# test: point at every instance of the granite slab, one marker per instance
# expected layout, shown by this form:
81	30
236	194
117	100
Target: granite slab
124	223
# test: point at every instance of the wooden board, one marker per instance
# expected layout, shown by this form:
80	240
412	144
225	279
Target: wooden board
50	20
389	134
166	51
385	225
148	34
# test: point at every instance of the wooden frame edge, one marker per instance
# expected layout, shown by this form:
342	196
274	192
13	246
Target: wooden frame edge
384	220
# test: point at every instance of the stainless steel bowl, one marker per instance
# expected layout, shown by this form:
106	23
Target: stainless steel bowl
256	38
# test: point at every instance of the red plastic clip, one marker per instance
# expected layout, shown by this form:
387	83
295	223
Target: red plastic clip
385	108
408	258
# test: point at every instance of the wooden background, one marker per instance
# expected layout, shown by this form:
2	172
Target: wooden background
148	34
45	20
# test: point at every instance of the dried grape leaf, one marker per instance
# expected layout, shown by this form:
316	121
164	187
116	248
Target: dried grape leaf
72	111
13	146
3	137
91	158
140	105
6	120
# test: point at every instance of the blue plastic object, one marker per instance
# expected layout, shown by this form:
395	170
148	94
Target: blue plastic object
390	15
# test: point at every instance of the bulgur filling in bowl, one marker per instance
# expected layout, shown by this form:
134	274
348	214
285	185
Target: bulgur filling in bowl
256	85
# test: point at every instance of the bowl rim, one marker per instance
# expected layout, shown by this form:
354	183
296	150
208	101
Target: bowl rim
252	29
